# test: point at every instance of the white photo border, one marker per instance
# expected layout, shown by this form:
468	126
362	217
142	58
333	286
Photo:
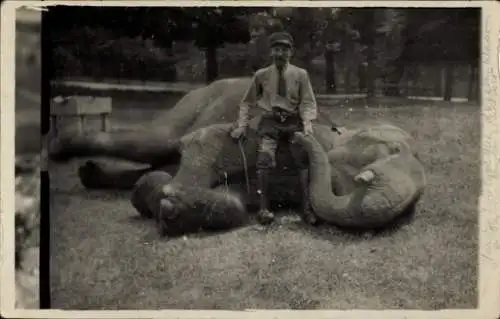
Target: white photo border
489	217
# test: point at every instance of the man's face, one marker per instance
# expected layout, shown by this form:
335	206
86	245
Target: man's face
281	54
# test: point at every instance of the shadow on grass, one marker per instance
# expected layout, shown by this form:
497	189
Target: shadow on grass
86	194
292	222
331	232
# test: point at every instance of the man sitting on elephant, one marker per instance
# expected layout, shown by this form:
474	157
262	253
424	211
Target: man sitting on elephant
284	92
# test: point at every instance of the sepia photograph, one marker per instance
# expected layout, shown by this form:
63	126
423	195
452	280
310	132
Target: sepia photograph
264	157
250	157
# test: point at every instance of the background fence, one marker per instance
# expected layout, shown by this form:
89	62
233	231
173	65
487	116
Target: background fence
189	65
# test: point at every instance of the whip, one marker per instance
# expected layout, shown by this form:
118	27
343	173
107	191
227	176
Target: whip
245	165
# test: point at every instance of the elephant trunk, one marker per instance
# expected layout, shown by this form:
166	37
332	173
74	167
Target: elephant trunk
370	205
326	205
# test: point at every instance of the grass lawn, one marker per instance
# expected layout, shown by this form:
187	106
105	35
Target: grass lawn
103	257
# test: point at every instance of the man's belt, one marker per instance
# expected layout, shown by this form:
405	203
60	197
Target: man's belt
281	114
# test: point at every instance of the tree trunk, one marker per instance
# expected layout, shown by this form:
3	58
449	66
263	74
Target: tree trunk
370	71
212	67
331	85
362	77
393	79
347	80
395	45
438	79
448	84
477	80
171	70
370	54
472	88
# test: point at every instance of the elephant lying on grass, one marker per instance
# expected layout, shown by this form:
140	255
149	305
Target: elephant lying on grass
363	175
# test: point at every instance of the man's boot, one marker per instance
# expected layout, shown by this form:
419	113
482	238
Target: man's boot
264	216
307	214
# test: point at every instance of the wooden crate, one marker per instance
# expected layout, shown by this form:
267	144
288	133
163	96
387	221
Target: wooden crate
81	107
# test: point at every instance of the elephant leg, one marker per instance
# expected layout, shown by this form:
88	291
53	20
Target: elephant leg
138	146
237	195
147	193
94	175
180	209
186	209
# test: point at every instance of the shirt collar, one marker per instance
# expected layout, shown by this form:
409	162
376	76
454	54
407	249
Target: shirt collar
285	67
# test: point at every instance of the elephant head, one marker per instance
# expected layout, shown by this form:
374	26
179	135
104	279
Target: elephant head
384	189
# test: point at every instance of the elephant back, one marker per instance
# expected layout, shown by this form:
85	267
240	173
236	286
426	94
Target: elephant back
215	103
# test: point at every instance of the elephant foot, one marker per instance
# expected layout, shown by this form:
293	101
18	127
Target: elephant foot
90	175
365	177
147	193
186	209
180	209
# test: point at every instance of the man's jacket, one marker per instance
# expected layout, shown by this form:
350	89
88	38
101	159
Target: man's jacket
263	93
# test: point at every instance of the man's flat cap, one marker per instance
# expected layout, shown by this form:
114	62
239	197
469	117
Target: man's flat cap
283	38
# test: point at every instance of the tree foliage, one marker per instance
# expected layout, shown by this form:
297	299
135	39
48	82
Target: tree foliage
367	43
212	27
383	39
100	31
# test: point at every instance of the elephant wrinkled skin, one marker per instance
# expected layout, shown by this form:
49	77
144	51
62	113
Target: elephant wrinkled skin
362	175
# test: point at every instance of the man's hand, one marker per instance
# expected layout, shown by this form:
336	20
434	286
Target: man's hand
239	132
308	129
